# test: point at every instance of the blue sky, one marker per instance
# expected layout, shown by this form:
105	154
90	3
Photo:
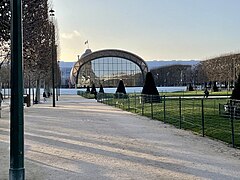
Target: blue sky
152	29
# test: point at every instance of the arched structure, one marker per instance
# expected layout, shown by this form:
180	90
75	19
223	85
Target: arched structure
107	67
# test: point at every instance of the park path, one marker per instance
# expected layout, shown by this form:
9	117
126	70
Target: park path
83	139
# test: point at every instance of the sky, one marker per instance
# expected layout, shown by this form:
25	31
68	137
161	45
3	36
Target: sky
152	29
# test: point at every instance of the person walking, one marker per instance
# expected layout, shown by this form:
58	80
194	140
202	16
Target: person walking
206	93
44	96
1	100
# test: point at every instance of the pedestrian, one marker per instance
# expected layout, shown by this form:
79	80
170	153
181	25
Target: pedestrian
206	93
44	96
1	97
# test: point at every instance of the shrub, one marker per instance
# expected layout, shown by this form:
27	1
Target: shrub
150	88
236	90
215	88
88	89
94	91
190	88
121	88
101	90
121	91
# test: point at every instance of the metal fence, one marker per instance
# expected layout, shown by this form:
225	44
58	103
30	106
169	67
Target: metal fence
214	117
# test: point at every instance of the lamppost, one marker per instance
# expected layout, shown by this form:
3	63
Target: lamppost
16	171
58	79
53	55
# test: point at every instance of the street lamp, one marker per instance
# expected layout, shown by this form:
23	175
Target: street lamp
53	53
16	171
58	79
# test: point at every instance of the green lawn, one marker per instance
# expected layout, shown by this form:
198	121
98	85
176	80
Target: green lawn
196	93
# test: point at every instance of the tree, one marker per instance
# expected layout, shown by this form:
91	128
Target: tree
215	88
121	91
94	91
121	87
190	87
101	90
236	90
150	88
88	89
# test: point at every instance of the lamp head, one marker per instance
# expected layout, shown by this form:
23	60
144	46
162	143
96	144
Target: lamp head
51	12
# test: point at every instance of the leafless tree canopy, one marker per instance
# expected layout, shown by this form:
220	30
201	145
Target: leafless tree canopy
223	68
38	36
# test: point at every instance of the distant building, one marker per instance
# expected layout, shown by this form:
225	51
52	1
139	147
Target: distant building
67	66
107	68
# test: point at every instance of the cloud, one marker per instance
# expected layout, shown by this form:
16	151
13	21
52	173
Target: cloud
76	33
71	35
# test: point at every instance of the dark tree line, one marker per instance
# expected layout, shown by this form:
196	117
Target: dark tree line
222	70
174	75
39	42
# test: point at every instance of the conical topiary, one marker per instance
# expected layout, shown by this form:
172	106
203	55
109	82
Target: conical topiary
215	88
236	90
121	91
94	91
121	88
150	88
190	88
88	89
101	90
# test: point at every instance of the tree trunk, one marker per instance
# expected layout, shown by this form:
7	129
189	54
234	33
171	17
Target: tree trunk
37	94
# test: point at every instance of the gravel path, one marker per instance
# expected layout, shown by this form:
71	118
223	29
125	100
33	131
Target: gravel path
82	139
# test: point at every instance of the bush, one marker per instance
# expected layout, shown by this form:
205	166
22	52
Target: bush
150	88
236	90
190	88
121	88
88	89
94	91
121	91
215	88
101	90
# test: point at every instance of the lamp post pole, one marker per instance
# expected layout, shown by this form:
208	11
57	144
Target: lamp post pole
53	55
58	79
16	171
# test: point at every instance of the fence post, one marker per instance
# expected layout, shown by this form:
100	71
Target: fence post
128	103
135	98
152	106
232	113
180	113
0	108
142	105
164	109
203	127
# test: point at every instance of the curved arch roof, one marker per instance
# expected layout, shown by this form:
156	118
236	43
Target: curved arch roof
106	53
